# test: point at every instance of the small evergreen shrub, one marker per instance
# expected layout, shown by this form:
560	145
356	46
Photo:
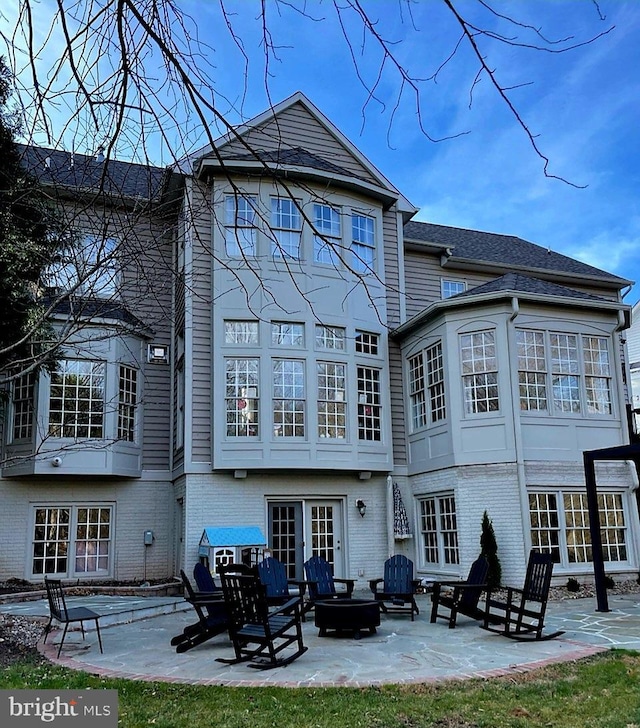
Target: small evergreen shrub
573	585
489	549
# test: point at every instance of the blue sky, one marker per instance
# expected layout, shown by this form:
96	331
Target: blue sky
583	106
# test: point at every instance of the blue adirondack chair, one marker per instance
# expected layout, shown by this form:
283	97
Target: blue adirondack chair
273	576
204	580
396	590
321	583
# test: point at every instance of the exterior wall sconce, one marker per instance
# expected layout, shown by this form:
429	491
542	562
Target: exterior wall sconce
361	506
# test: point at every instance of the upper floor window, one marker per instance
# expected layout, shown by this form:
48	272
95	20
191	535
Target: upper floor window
76	402
241	393
288	398
363	244
23	405
240	225
479	372
240	332
426	385
127	403
367	343
327	240
435	382
285	228
450	288
332	405
369	404
286	334
330	337
417	393
575	378
87	265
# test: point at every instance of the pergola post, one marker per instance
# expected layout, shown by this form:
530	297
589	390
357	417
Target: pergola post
594	526
622	452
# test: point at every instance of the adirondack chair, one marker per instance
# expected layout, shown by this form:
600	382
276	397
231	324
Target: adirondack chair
212	617
273	575
398	587
460	597
259	635
204	580
321	583
520	615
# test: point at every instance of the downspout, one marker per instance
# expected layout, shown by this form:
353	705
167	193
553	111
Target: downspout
631	466
517	431
390	519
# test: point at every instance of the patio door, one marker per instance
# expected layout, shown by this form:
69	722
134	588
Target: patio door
301	529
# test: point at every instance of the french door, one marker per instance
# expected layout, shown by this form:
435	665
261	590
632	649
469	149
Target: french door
301	529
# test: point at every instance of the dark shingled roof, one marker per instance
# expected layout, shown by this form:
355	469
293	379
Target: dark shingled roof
519	283
83	173
476	246
296	157
92	308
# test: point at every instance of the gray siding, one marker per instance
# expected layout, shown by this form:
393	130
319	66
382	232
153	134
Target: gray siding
296	127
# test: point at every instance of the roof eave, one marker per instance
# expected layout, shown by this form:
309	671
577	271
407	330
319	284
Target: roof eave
613	282
208	166
481	298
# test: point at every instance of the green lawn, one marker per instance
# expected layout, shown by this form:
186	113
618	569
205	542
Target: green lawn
599	691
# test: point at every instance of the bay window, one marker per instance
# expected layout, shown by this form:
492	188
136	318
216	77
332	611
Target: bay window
575	377
241	393
76	399
327	240
285	228
363	243
479	372
332	405
288	398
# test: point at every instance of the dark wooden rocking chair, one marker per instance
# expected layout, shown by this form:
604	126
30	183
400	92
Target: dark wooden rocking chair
397	593
460	597
259	635
273	576
520	615
59	611
212	617
321	583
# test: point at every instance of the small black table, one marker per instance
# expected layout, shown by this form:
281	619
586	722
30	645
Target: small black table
347	615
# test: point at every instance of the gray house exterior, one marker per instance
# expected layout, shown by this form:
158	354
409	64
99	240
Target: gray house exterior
285	341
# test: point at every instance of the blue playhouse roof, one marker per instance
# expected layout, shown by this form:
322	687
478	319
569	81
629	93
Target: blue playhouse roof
233	536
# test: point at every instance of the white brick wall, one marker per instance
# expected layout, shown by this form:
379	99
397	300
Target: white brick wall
140	504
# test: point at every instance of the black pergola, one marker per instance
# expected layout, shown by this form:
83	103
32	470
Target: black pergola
621	452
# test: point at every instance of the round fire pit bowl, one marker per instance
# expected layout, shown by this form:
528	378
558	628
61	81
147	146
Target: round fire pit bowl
347	615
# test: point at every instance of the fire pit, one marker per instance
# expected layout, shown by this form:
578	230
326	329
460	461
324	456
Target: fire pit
347	615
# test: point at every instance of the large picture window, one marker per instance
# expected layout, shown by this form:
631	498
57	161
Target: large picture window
288	398
241	392
564	373
560	524
72	541
439	531
369	409
76	403
332	406
479	372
